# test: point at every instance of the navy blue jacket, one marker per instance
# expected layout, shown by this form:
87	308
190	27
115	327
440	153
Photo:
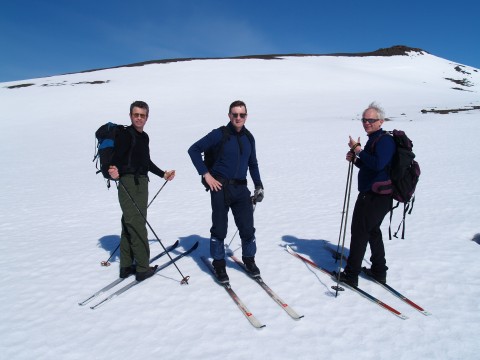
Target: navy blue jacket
237	156
373	163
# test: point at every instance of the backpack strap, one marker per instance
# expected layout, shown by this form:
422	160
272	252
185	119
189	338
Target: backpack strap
129	167
384	132
225	136
250	138
129	163
405	210
219	146
390	226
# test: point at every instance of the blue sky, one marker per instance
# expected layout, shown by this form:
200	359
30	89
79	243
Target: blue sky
48	37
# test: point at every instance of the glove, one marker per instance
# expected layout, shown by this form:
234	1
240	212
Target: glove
258	194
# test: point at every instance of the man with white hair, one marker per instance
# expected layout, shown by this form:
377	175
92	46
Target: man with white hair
374	199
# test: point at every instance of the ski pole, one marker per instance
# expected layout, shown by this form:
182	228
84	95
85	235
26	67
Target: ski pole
345	199
158	192
343	223
184	278
107	263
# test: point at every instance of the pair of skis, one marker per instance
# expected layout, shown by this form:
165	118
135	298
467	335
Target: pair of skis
135	282
241	305
362	292
387	287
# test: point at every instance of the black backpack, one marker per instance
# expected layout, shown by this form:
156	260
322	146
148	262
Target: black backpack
404	170
211	155
105	147
404	173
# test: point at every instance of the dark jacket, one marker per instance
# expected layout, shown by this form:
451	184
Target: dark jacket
134	160
237	156
373	161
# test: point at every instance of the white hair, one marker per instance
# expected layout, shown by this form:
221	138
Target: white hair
378	109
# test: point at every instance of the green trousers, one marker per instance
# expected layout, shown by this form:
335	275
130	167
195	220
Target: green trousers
134	241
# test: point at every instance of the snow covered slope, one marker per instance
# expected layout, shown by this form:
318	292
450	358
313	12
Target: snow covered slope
59	221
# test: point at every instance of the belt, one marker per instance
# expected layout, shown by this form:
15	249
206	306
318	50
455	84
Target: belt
237	182
231	181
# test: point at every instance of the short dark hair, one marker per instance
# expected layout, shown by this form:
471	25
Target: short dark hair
139	104
237	103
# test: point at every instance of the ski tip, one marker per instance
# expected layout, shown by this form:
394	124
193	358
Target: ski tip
290	250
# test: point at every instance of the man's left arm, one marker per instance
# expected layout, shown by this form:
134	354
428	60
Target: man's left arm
154	169
255	174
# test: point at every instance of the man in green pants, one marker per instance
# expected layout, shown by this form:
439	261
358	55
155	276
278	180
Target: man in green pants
130	165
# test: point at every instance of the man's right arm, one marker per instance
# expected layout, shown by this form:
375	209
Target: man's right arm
195	151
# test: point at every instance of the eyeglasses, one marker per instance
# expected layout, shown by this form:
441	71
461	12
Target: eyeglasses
370	121
141	116
243	115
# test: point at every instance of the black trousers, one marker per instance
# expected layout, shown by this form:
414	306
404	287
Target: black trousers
237	198
368	214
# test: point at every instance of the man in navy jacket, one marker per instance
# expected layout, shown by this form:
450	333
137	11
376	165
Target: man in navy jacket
227	181
374	200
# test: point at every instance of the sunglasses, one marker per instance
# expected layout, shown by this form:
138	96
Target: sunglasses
237	115
141	116
370	121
